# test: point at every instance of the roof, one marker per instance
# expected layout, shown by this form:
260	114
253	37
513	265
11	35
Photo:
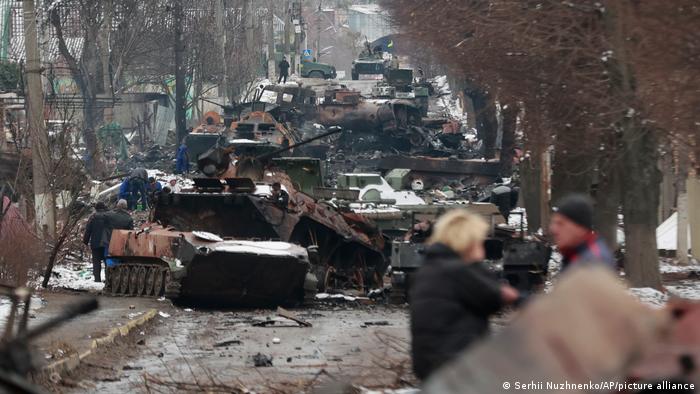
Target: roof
51	53
367	9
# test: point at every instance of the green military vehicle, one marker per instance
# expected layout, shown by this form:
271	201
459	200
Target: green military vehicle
317	70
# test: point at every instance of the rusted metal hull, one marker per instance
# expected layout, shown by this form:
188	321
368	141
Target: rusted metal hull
200	266
307	223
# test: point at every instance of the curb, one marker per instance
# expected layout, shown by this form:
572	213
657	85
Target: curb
64	366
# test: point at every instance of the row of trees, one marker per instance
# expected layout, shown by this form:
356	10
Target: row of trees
610	85
132	45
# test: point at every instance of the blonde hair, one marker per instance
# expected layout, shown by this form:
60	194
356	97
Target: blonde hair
460	230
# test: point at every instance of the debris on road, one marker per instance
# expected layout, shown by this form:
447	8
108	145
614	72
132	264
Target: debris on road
289	315
261	360
227	342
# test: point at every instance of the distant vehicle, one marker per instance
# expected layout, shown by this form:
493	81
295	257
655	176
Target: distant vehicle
317	70
369	62
374	66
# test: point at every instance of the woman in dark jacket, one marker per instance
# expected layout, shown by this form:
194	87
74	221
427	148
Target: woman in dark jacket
453	293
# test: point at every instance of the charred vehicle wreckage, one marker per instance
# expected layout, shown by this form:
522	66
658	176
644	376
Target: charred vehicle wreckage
228	239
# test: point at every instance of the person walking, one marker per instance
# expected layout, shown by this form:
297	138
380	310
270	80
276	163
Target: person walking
571	229
93	237
117	219
182	159
454	293
284	70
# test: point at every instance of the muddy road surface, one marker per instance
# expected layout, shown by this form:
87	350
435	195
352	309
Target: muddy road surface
188	350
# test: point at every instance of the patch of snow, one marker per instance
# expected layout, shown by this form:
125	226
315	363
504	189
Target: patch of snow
74	275
649	296
163	314
666	266
688	289
269	248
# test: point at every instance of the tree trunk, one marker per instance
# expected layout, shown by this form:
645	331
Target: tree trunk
510	118
640	184
486	123
607	203
530	190
271	69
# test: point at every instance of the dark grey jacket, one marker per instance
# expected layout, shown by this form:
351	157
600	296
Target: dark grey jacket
118	219
94	231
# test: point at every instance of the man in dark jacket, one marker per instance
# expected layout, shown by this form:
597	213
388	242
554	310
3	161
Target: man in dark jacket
284	70
118	219
453	293
93	236
571	228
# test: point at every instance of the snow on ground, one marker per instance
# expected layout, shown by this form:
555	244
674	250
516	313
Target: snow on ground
688	289
649	296
668	266
6	307
75	275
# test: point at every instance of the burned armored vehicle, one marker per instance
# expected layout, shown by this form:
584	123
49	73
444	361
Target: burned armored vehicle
406	220
376	124
228	241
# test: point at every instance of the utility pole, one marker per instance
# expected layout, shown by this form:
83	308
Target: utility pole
271	61
220	17
318	32
298	23
180	110
44	204
104	58
287	32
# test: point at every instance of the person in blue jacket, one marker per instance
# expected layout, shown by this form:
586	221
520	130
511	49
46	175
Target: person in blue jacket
124	191
182	165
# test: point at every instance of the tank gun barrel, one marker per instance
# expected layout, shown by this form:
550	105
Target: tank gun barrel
332	130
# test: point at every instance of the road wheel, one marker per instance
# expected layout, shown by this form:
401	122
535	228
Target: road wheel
316	74
158	283
141	281
134	281
150	281
115	279
124	282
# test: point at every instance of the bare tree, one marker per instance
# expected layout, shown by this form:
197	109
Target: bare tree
575	67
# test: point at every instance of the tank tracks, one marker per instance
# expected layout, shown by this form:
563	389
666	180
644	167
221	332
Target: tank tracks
141	280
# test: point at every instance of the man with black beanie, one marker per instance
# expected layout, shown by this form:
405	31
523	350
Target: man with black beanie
571	228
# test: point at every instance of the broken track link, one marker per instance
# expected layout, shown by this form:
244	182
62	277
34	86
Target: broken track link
141	280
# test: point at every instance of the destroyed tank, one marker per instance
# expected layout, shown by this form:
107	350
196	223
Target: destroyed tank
347	249
227	241
197	265
377	123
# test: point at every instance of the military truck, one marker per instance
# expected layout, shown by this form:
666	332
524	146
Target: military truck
317	70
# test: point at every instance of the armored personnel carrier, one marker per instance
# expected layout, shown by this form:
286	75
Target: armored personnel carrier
198	265
228	240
